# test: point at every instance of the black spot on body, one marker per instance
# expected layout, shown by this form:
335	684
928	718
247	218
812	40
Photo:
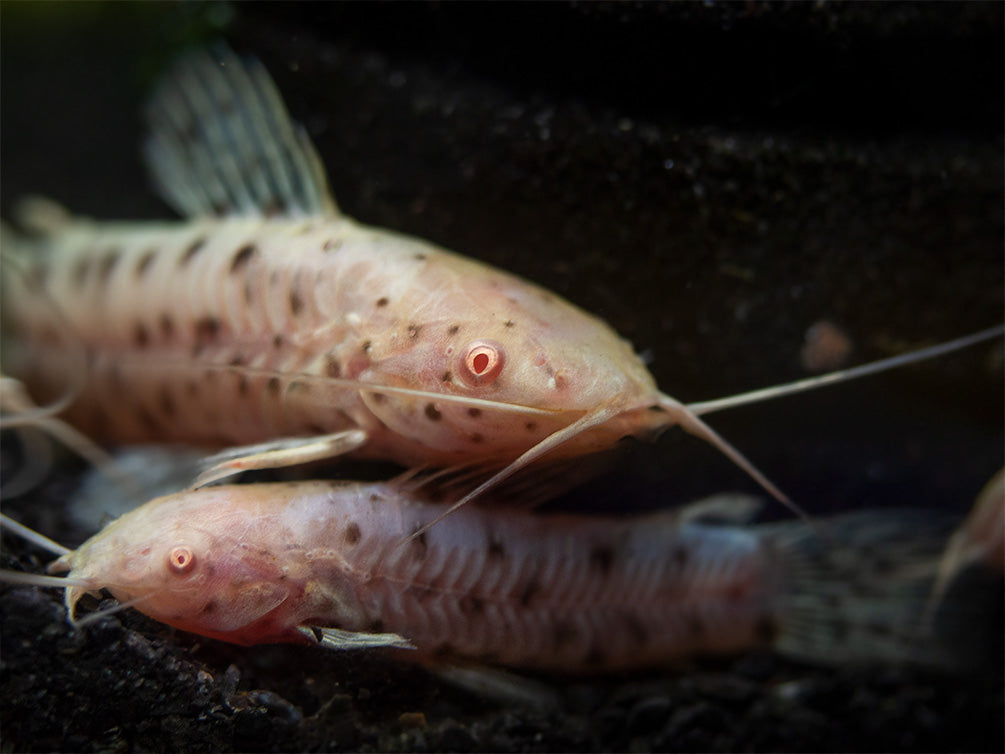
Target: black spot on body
447	377
453	329
474	413
209	607
509	323
273	386
530	426
242	258
680	557
383	301
141	338
420	257
352	533
108	263
414	330
167	327
190	253
379	397
278	341
242	385
419	546
496	549
81	270
146	419
530	589
332	367
296	302
206	330
657	409
367	345
477	438
601	559
432	413
332	244
237	361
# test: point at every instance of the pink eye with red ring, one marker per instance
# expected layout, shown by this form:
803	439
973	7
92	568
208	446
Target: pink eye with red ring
181	560
481	362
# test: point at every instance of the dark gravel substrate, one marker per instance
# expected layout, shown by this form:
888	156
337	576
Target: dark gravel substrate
712	179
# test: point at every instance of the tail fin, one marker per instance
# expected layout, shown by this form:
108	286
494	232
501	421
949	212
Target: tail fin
855	590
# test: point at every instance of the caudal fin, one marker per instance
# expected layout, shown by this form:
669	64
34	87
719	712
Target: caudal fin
854	589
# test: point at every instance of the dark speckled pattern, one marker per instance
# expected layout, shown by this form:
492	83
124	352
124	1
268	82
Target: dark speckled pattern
712	179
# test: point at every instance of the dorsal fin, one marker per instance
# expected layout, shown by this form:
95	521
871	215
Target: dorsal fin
222	143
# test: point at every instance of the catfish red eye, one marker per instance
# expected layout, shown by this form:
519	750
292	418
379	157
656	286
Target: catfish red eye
481	362
181	560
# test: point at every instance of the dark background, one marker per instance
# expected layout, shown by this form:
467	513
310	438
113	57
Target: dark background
710	178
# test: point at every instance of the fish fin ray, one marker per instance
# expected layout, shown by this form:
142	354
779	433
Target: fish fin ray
855	589
337	638
221	142
275	454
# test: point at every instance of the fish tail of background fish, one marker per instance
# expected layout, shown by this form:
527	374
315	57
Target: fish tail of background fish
857	588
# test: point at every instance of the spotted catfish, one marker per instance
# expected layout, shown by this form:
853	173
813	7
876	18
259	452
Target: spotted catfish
321	562
268	314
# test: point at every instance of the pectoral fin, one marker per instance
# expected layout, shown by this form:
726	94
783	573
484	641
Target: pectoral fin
289	451
337	638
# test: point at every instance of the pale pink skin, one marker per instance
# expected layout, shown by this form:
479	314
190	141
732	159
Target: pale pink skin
558	592
196	332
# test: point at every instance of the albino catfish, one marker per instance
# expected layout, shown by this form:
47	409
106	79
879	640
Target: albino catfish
321	562
267	314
